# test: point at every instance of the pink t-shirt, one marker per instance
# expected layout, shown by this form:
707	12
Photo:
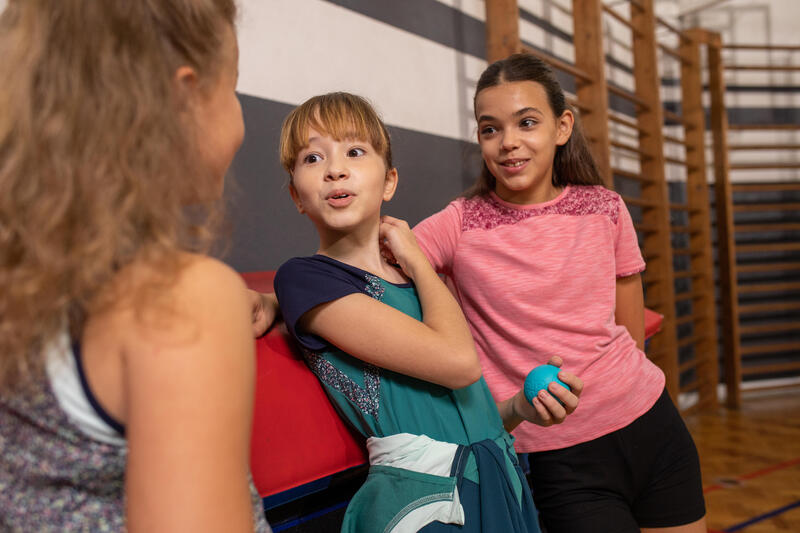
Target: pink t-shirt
540	280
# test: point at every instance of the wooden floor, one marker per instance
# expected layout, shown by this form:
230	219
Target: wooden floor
751	463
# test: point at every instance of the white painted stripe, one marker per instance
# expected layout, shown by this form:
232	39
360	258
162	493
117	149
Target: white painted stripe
291	50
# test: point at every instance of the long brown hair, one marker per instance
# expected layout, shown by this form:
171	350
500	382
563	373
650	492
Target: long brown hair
96	153
573	162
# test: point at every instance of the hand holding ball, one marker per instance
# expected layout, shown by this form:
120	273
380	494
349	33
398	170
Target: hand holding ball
539	378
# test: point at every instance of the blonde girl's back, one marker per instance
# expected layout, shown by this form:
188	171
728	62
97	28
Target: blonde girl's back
104	110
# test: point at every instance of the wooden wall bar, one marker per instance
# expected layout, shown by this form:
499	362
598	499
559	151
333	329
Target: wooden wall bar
657	242
592	91
704	316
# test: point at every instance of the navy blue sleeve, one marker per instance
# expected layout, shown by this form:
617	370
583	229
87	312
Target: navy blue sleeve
303	283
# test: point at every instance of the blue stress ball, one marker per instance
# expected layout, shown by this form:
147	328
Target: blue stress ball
539	378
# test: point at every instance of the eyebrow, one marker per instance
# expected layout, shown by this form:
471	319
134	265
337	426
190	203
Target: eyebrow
523	111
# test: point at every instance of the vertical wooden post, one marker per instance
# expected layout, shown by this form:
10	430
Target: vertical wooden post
587	21
702	268
726	244
502	29
650	119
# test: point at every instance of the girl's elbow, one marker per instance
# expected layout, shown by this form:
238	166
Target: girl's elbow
469	371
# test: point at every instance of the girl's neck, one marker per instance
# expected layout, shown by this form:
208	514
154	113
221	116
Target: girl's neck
530	196
360	249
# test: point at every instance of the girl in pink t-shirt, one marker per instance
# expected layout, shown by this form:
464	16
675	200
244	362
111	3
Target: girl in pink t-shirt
545	261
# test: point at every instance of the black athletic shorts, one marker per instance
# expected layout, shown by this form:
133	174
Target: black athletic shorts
646	474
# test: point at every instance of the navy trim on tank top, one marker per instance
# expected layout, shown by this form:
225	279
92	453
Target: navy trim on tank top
102	413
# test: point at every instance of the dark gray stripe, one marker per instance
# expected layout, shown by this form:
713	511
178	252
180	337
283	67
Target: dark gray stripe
748	115
429	19
266	228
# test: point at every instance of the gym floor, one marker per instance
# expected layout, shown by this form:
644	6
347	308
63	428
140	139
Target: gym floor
750	461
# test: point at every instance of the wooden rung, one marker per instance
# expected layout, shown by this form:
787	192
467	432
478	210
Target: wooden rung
680	229
769	328
631	175
580	106
772	368
764	147
681	251
688	274
784	68
673	29
677	161
768	307
787	48
769	267
690	318
687	341
628	147
684	207
674	117
625	122
775	226
641	202
769	247
621	19
646	228
765	166
686	365
749	288
771	348
765	187
673	52
743	127
676	140
557	63
691	295
776	206
628	95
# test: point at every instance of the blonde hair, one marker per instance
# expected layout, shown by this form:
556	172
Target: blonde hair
96	154
340	115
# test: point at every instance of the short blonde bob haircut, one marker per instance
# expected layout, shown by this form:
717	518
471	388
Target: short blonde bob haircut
340	115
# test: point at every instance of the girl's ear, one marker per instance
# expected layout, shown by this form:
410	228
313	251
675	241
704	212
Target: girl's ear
185	82
564	126
390	184
296	199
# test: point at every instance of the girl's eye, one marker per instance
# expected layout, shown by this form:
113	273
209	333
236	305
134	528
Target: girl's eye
355	152
487	130
312	158
527	123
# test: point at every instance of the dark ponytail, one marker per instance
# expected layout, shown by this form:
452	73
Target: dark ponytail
573	162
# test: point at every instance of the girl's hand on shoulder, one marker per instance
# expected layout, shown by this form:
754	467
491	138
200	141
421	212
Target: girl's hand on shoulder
399	246
546	409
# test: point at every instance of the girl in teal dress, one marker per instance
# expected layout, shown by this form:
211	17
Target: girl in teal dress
390	345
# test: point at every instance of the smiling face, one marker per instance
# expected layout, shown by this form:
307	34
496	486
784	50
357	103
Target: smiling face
341	184
518	135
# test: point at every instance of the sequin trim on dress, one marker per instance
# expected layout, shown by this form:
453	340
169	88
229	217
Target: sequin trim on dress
374	287
365	398
484	212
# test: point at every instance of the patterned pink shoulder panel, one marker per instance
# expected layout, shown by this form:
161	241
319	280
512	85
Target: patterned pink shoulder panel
484	212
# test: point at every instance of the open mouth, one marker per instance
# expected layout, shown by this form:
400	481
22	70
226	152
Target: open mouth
514	163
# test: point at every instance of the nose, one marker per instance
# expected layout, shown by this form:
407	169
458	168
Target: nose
510	140
337	169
